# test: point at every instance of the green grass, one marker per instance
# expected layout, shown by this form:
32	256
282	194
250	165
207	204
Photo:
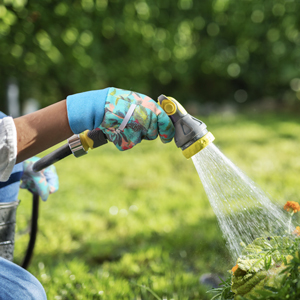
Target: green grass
122	220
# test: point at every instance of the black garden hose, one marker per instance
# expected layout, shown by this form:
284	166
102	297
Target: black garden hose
33	231
96	138
52	158
91	139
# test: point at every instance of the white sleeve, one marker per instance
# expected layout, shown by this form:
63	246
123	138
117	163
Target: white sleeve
8	147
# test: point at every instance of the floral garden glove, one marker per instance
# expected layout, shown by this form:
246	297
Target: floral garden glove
108	108
146	120
44	182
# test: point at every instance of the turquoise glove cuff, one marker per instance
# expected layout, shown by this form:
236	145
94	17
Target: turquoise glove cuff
86	110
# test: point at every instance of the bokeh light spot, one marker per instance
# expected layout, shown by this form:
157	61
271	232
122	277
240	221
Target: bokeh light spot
185	4
30	58
279	48
44	40
87	5
295	84
114	210
2	11
213	29
101	5
220	5
278	10
19	37
257	16
233	70
240	96
199	23
9	18
142	10
16	50
133	208
86	38
61	9
273	34
164	54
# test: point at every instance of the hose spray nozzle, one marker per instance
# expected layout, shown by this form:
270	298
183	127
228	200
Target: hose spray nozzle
191	134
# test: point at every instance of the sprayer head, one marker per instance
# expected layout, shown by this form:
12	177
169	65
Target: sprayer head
191	134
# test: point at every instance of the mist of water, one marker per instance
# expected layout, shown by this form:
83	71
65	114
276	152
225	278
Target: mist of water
243	210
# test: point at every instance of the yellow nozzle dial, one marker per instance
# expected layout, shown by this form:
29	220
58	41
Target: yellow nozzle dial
169	107
198	145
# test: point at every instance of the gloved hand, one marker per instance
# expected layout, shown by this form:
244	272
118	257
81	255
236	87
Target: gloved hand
107	109
44	182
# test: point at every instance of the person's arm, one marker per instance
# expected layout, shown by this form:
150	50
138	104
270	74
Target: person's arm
31	134
41	130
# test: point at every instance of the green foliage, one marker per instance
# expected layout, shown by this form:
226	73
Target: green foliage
223	292
289	286
122	220
280	282
202	50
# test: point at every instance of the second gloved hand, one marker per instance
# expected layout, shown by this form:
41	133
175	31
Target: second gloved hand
108	108
44	182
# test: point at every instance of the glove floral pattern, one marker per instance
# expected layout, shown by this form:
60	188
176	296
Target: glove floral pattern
44	182
147	122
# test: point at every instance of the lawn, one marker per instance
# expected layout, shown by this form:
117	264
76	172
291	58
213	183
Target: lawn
123	220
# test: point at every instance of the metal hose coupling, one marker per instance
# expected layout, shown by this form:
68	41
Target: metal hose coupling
191	134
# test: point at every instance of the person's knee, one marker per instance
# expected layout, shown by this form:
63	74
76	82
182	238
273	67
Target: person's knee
16	283
31	288
25	289
36	291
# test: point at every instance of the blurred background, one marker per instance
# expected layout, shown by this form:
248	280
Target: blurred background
219	51
121	221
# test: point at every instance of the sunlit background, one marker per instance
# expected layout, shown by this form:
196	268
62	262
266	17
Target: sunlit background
199	51
123	220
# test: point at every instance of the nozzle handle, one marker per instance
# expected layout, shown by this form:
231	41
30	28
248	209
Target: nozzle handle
172	108
189	131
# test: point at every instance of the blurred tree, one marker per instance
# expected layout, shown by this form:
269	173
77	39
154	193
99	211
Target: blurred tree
201	50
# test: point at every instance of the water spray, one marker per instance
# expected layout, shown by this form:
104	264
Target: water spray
243	210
